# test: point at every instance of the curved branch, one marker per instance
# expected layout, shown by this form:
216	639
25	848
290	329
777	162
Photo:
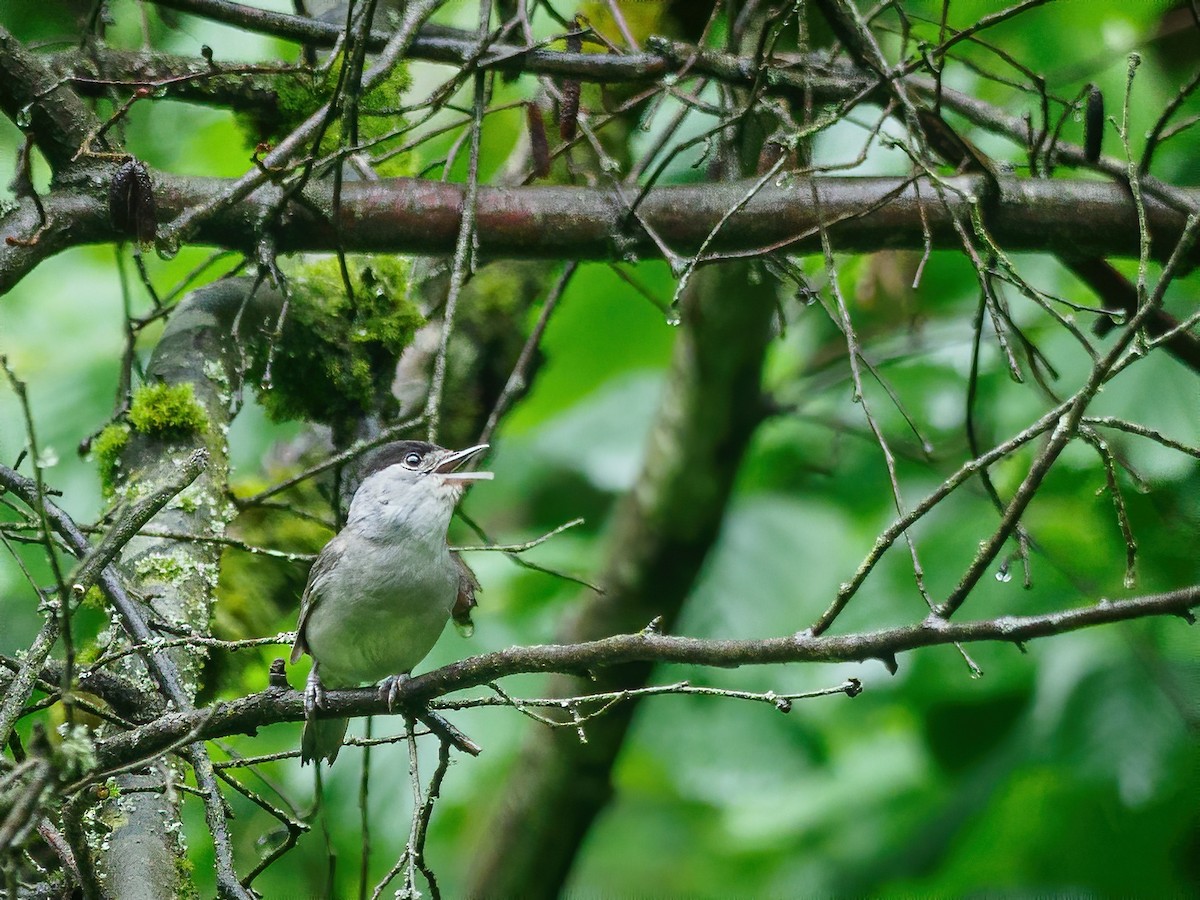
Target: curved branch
807	78
433	43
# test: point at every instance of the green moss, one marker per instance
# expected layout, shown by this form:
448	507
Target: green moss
106	449
185	875
298	96
87	654
93	598
167	411
336	356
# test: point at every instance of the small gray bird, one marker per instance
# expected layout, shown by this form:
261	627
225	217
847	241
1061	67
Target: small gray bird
380	593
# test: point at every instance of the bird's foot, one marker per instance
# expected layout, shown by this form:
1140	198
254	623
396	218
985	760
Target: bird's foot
389	689
314	693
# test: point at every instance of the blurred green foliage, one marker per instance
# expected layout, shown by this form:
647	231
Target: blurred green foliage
1072	768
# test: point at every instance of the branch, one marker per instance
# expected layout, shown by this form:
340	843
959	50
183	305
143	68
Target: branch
30	95
405	215
247	714
236	87
434	44
134	517
807	79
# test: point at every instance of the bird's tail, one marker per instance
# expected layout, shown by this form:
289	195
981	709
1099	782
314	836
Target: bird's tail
322	739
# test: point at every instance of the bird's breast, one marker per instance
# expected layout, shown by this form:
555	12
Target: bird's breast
390	603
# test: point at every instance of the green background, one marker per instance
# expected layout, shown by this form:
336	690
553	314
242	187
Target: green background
1072	768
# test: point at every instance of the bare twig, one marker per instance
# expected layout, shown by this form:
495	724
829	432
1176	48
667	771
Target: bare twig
463	259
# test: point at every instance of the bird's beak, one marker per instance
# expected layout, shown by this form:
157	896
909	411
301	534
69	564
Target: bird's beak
446	465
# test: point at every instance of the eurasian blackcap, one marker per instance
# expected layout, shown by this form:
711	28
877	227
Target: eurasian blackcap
380	593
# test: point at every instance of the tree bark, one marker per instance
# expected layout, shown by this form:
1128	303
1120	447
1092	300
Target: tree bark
405	215
146	855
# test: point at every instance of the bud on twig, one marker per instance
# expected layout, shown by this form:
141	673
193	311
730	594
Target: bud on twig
131	207
568	109
1093	124
539	147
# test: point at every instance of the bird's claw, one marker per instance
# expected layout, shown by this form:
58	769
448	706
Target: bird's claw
389	689
314	693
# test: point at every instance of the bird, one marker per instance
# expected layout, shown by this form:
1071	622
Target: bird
381	591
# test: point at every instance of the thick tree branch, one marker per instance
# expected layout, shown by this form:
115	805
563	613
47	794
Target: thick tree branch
415	216
178	578
194	79
433	43
187	78
805	79
30	94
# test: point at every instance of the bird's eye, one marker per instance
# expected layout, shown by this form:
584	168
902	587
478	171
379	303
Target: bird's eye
412	460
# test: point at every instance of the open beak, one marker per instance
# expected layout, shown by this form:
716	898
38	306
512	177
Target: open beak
447	465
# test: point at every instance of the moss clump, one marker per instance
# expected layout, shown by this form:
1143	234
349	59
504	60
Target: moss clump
106	449
185	878
93	598
162	411
167	411
298	96
336	356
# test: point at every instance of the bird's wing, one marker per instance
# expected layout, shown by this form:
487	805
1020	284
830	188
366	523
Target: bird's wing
317	576
468	584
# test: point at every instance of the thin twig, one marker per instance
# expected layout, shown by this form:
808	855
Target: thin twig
463	260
